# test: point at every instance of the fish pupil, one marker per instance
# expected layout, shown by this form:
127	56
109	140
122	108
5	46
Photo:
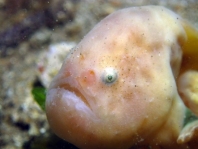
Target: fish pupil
110	78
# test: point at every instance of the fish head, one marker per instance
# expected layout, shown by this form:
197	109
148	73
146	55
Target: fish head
118	86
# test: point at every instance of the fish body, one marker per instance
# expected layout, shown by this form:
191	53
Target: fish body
118	88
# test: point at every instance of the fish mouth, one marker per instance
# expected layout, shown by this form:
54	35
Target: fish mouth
64	98
76	92
66	89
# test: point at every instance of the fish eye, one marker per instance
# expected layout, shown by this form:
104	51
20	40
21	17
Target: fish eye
109	75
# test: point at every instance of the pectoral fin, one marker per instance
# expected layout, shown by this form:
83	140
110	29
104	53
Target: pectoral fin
188	82
190	48
189	133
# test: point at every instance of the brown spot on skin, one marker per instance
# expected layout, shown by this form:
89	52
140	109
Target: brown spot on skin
87	78
67	74
82	56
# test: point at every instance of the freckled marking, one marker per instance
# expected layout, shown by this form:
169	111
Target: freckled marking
87	78
67	74
82	56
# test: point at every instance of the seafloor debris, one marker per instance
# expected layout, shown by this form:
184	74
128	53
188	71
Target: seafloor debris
56	13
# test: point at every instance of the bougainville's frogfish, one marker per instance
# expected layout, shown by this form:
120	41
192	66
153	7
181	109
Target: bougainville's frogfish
128	83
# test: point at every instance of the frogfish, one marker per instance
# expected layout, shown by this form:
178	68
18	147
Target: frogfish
129	83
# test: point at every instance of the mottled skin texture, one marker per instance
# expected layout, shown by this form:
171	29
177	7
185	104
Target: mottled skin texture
143	46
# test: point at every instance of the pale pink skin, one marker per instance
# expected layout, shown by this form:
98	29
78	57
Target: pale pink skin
142	107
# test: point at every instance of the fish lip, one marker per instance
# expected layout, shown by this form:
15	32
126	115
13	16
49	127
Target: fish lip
90	112
71	89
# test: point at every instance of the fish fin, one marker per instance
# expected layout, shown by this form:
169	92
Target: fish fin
190	48
188	89
189	133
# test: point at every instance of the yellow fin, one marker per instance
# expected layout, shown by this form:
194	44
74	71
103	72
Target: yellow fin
190	48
